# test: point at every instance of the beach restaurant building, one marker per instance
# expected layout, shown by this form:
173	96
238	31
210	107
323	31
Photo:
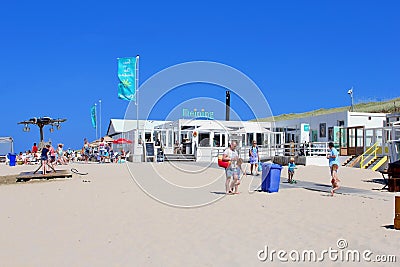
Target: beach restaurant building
353	132
200	137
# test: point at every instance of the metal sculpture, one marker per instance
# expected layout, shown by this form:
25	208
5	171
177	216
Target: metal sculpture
41	122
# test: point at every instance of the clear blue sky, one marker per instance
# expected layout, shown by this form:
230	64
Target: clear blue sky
58	58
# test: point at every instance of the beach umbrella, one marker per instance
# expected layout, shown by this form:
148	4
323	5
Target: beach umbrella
121	141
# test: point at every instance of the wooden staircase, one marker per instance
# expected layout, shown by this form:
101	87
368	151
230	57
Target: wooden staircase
352	161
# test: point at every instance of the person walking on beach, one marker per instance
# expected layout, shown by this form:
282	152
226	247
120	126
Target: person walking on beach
102	150
333	157
291	167
60	155
233	171
254	158
52	155
86	150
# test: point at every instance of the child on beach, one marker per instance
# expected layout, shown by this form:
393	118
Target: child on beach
52	154
291	167
254	158
333	157
240	164
44	157
335	180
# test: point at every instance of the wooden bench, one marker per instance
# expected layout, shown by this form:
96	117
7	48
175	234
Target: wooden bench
26	176
392	184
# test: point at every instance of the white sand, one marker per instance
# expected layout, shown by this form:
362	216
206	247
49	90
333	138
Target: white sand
110	221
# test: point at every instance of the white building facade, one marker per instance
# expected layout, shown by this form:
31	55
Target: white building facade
326	127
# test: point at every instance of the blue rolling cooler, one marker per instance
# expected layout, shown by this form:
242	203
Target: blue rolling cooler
12	158
271	177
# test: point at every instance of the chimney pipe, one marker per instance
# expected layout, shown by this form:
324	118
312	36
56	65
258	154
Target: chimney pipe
227	105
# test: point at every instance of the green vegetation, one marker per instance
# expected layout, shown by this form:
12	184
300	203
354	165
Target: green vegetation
389	106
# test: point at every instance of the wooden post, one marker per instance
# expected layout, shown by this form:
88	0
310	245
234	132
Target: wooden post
397	212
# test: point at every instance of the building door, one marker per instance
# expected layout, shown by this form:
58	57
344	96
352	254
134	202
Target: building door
352	141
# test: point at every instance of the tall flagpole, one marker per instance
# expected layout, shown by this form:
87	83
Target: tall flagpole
100	119
95	114
137	95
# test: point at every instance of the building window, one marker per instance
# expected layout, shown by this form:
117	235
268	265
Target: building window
216	140
340	123
259	138
369	118
322	130
330	133
204	139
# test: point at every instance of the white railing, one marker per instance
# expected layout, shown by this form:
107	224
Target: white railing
305	149
269	151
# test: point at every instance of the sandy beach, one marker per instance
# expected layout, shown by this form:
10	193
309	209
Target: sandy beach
152	214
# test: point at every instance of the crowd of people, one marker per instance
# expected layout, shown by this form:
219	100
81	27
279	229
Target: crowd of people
57	156
101	153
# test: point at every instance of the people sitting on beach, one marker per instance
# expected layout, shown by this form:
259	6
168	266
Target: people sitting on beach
177	148
29	158
70	155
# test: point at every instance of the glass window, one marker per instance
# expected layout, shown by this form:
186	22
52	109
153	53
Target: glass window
216	140
330	134
204	139
249	139
170	142
360	137
163	138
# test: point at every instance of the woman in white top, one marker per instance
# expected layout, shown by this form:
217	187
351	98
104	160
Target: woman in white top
233	170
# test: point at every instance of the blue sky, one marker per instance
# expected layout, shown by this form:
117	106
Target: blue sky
59	57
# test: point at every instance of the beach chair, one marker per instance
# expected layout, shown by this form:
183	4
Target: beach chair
126	156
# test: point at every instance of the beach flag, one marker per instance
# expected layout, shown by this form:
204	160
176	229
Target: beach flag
93	112
127	77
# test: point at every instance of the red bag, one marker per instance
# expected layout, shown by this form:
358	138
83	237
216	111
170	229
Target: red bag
223	164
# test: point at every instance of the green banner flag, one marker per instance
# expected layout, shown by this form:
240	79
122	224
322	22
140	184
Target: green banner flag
93	112
127	76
